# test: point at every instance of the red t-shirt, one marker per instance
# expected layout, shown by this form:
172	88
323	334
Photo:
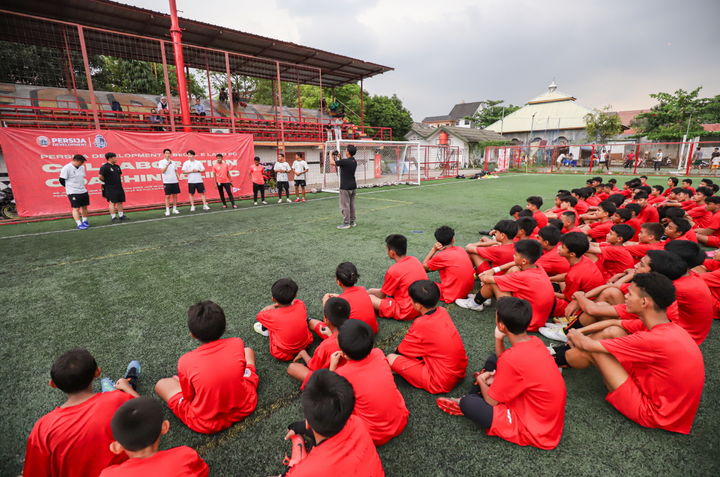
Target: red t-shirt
222	172
667	367
688	204
434	338
361	307
398	278
715	223
257	174
289	333
712	280
626	192
456	273
74	441
540	218
212	378
613	259
497	254
534	286
656	200
599	230
377	399
553	263
596	199
648	214
639	250
349	453
636	224
321	357
583	276
582	207
701	216
180	461
531	394
695	306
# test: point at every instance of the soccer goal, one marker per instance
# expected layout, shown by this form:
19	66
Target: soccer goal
378	163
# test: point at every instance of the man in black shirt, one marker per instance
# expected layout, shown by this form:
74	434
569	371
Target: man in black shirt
112	188
348	186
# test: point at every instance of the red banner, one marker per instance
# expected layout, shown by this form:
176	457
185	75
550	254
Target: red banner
34	158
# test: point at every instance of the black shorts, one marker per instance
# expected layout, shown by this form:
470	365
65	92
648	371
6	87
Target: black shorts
114	194
299	182
193	187
171	189
79	200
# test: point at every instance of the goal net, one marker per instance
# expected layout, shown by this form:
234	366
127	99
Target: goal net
378	163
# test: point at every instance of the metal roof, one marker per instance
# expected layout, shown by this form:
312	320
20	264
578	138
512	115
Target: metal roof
105	14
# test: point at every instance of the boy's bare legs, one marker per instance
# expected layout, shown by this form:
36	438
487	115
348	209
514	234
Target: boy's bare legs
167	388
376	297
312	324
249	357
612	296
298	371
491	290
204	200
583	359
192	200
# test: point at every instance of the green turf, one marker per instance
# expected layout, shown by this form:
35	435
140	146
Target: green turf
122	292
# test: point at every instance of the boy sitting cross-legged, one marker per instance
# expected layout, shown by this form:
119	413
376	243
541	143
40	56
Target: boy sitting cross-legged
432	354
137	427
361	306
456	269
285	321
216	384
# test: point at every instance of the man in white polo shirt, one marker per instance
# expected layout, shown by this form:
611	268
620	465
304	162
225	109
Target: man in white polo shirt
194	170
72	177
171	181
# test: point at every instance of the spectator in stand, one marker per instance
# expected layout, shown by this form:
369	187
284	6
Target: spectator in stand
155	120
199	108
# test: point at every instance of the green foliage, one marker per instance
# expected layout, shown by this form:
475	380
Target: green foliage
40	66
677	114
492	111
602	124
388	112
136	76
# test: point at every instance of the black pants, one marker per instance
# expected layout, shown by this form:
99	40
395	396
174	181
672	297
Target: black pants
474	406
283	185
258	188
657	165
225	187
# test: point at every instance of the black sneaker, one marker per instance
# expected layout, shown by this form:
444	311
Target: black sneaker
123	218
133	373
115	220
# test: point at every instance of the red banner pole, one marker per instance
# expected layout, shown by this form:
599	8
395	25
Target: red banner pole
176	35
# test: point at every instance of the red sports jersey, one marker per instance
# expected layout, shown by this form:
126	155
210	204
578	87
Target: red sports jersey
180	461
715	223
361	307
553	263
349	453
321	357
626	192
688	204
701	216
534	286
74	441
648	214
540	218
531	396
599	230
636	224
218	387
437	349
613	259
583	276
655	201
582	207
289	333
456	273
377	399
666	379
695	306
398	278
639	250
712	280
594	200
497	255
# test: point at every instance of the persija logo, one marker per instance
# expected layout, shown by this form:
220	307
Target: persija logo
43	141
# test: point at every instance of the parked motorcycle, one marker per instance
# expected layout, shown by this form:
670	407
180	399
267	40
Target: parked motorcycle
7	203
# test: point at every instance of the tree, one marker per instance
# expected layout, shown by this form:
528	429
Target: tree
676	114
492	111
602	124
136	76
384	111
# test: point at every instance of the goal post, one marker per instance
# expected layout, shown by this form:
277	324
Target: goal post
378	163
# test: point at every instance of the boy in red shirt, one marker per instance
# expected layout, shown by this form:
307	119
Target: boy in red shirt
534	202
656	196
221	170
583	275
612	257
73	440
258	176
489	252
599	229
361	306
137	427
377	399
520	394
456	270
648	239
648	213
655	376
285	321
432	354
336	311
551	261
216	383
700	214
347	450
710	235
392	300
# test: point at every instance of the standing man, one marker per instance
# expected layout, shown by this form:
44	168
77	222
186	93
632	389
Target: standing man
657	162
348	186
222	180
194	170
171	181
300	168
72	177
281	169
112	188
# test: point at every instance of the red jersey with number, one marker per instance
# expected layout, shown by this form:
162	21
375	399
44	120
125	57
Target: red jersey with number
553	263
613	259
456	273
180	461
398	278
583	276
289	333
531	396
74	441
361	307
434	338
695	306
667	368
534	286
377	399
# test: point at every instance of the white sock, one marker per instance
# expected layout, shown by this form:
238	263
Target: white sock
84	219
167	209
112	216
78	222
121	213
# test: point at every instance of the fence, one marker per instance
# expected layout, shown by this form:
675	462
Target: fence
438	162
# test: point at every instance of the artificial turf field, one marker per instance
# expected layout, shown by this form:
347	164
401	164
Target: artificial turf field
122	291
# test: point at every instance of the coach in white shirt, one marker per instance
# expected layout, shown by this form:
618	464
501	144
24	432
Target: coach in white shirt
171	181
72	177
194	170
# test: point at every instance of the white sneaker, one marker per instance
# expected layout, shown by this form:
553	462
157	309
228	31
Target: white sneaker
206	207
176	212
280	200
552	325
556	334
469	303
551	350
258	327
167	212
254	203
192	208
288	201
264	202
487	302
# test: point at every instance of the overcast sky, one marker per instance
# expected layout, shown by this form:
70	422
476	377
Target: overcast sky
603	52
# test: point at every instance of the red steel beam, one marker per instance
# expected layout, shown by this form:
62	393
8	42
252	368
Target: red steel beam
176	35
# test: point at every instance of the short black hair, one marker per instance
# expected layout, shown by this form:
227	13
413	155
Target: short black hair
643	177
425	292
79	158
167	150
529	248
624	231
674	180
645	188
680	190
525	213
515	209
682	225
668	263
514	313
641	195
624	214
672	212
397	243
569	199
535	200
218	155
687	181
612	181
257	158
689	251
608	206
713	199
656	286
444	235
550	234
337	310
191	152
576	242
284	291
557	223
109	155
356	339
73	371
206	321
347	274
527	224
508	227
654	228
706	191
137	423
659	188
351	149
634	208
616	199
328	400
570	215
